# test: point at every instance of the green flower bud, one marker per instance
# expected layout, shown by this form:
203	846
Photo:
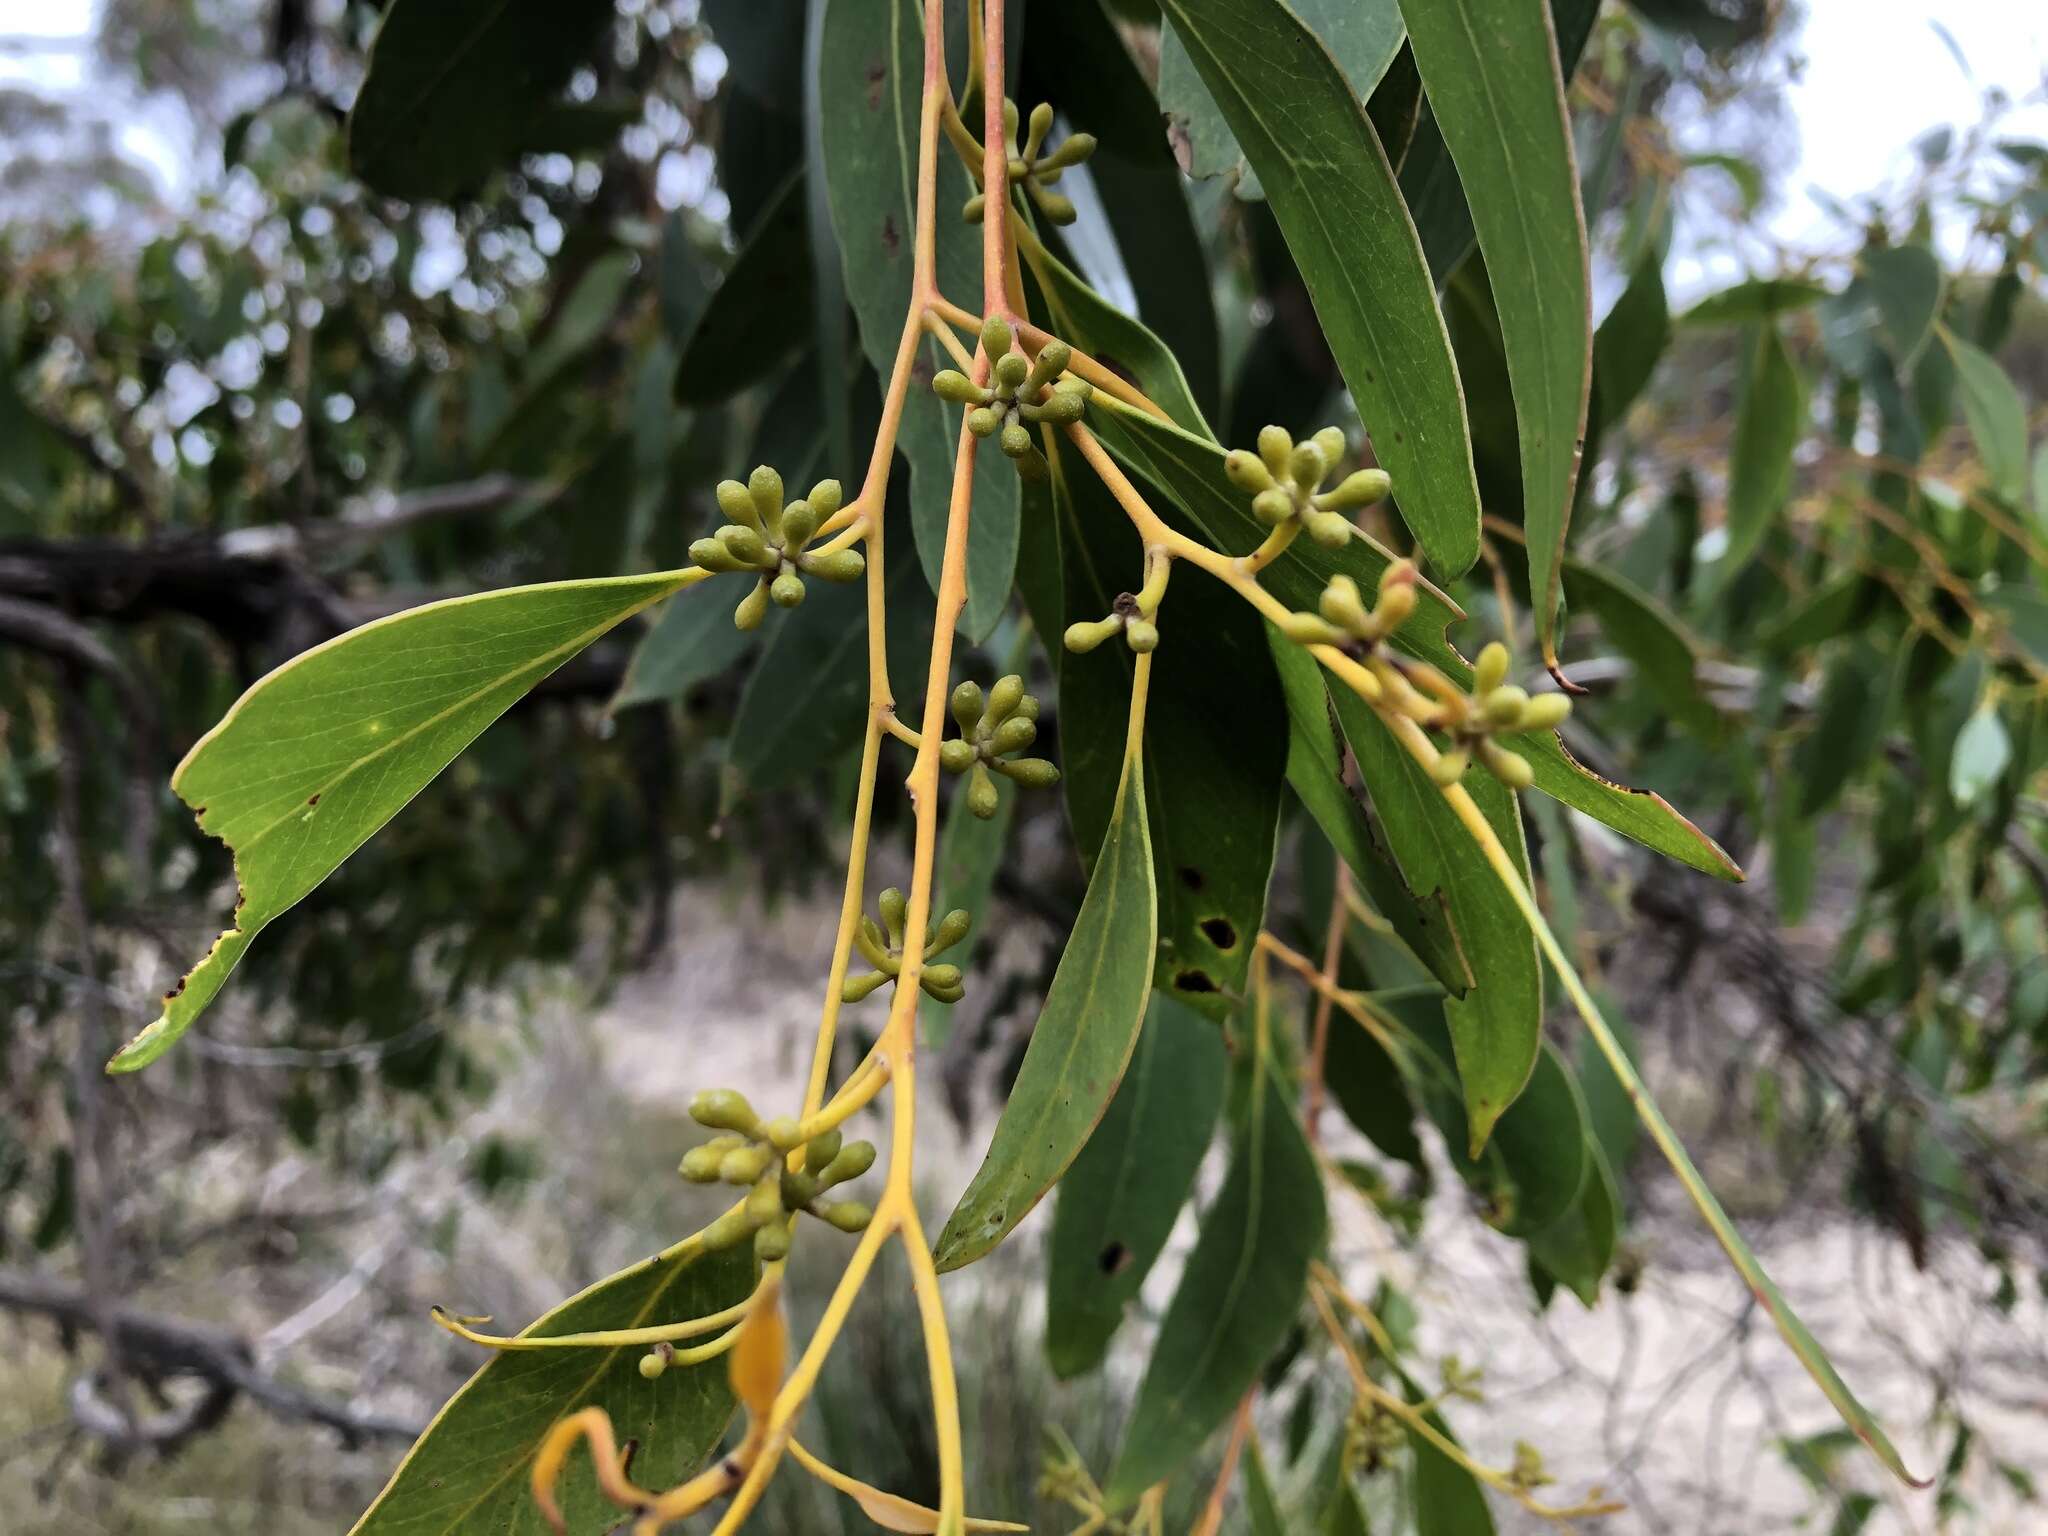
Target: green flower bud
771	1243
1027	708
1051	362
1308	629
1019	168
731	1228
967	705
1247	471
784	1133
1142	635
826	497
743	1165
951	930
799	523
1003	699
1013	735
1397	600
712	555
753	607
1341	604
1031	772
1067	404
1273	506
855	1159
970	211
840	565
1084	637
951	384
1450	766
1056	206
764	485
1306	465
995	335
1041	125
1545	712
1511	769
700	1164
653	1363
941	977
982	799
868	937
855	988
764	1202
956	755
737	505
984	420
894	908
1504	705
743	544
724	1109
787	590
1491	670
1015	440
1276	446
1329	529
848	1215
1331	441
799	1188
819	1155
1012	369
1360	488
944	994
1074	148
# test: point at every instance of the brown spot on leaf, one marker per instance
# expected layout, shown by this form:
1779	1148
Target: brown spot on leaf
876	75
313	800
1114	1259
892	238
1195	981
1191	877
1219	931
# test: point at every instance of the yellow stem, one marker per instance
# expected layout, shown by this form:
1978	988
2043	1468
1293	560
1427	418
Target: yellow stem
1319	1029
605	1338
1211	1520
858	1093
938	327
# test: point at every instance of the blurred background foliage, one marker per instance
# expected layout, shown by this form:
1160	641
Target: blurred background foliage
253	404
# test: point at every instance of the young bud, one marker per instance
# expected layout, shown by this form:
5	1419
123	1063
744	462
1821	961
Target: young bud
868	937
799	522
799	1188
771	1243
983	420
951	384
1331	441
1027	708
1342	606
1074	148
856	1159
724	1109
970	211
840	565
1397	601
893	907
1511	769
1329	529
967	705
943	978
743	1165
1062	407
1031	772
1273	506
1040	126
731	1228
956	755
1504	705
995	335
1247	471
1360	488
1545	712
743	544
951	930
1306	465
1019	168
653	1363
1013	735
825	498
1012	368
1084	637
764	1202
951	994
824	1148
753	608
855	988
764	485
1142	635
700	1164
1056	206
1003	699
1052	361
787	590
1275	448
1015	440
1450	766
848	1215
982	799
1308	629
784	1133
1491	670
737	505
712	555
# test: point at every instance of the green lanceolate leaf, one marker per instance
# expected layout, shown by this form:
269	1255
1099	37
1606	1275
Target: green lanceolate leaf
1769	422
1982	752
1081	1043
1905	280
1631	339
1497	1027
456	88
1447	1499
691	640
1576	1249
1997	417
1760	298
1261	1503
1316	770
321	753
761	311
1346	1514
1333	193
1490	70
471	1471
1075	58
1121	1197
871	81
1189	470
1083	318
1237	1296
1665	655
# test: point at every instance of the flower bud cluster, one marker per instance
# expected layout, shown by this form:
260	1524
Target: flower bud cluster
768	539
1016	399
992	731
753	1154
883	946
1034	169
1284	479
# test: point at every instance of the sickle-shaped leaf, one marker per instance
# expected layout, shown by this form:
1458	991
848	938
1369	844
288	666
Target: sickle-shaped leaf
321	753
1237	1296
1119	1201
1768	425
1490	69
1085	319
470	1471
1333	193
759	312
1081	1044
1905	280
1758	299
1997	416
870	87
1190	471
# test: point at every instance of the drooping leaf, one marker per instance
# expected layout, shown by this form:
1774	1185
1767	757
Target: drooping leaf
1190	472
1237	1295
1333	193
1905	281
456	88
1119	1201
1576	1249
1760	298
1631	339
1666	657
1848	724
1080	1045
870	88
760	312
1997	416
1447	1499
1770	420
1261	1503
1982	751
471	1470
692	639
1346	1514
1490	70
1085	319
317	756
